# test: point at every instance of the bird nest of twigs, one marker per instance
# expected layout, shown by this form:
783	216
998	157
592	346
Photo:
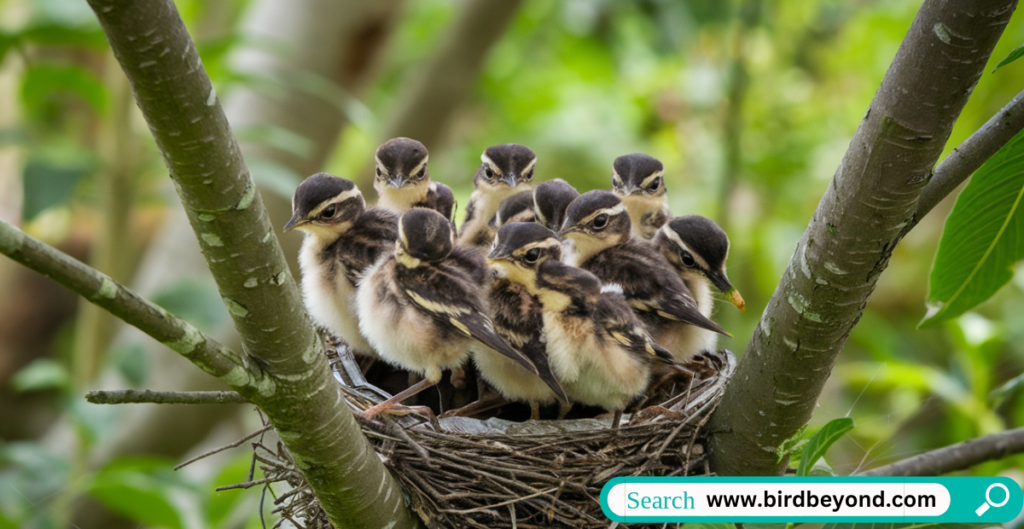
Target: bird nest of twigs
496	473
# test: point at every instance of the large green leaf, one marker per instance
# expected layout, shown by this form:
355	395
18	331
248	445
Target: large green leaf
47	184
141	489
983	237
819	444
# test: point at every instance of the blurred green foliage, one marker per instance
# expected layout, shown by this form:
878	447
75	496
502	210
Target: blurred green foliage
580	81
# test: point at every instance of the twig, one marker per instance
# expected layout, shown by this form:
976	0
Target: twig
225	447
146	396
970	155
504	503
956	457
120	301
246	485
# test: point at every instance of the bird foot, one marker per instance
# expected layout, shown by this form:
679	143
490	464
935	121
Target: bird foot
401	410
458	378
477	407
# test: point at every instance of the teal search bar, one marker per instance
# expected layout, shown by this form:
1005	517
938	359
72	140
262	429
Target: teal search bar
817	499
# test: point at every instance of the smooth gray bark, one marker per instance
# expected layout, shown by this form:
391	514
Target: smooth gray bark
849	240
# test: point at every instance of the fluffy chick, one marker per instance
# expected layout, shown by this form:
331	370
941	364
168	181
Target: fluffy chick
639	180
505	170
403	182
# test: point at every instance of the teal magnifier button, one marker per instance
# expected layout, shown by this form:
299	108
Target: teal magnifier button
988	499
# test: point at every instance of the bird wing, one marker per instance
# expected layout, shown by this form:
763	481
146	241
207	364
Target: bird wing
457	305
372	236
675	306
617	320
536	351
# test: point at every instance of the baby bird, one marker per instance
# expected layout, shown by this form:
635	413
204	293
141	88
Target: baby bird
507	169
639	180
599	227
343	239
403	182
550	199
518	318
596	346
421	307
516	208
697	248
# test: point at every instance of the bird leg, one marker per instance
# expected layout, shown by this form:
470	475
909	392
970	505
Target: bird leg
534	410
616	419
477	407
563	409
458	378
397	399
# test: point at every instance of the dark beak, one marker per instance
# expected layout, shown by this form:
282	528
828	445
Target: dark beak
396	181
511	179
294	222
721	281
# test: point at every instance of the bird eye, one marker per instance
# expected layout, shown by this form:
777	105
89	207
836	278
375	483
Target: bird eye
421	173
488	171
329	211
687	259
528	176
600	222
532	255
379	172
653	186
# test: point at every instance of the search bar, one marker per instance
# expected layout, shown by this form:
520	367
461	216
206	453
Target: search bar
818	499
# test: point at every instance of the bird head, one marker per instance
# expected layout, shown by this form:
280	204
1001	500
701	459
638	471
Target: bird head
696	245
516	208
550	200
594	221
519	247
324	204
638	174
424	235
400	162
507	164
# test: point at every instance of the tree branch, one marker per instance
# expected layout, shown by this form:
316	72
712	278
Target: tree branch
848	241
956	457
299	396
970	156
145	396
104	292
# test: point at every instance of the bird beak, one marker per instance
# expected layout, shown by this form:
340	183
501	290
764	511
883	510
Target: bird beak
722	282
396	182
294	222
510	179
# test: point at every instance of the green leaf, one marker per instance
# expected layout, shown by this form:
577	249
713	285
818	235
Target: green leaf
1007	390
140	489
820	443
42	374
194	301
43	81
47	184
1013	56
983	237
131	362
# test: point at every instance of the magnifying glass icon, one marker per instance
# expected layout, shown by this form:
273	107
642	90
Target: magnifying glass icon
988	500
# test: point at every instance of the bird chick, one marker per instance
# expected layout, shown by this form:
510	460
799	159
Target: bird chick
518	318
507	169
697	248
422	307
596	346
403	181
550	200
342	240
516	208
599	226
639	180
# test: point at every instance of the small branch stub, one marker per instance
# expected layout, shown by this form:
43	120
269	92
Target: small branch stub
145	396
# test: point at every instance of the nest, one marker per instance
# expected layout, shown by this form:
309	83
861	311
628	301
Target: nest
496	473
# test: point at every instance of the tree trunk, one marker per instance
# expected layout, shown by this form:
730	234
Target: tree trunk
849	239
286	371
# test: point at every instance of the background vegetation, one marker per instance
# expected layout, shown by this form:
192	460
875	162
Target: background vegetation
750	104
